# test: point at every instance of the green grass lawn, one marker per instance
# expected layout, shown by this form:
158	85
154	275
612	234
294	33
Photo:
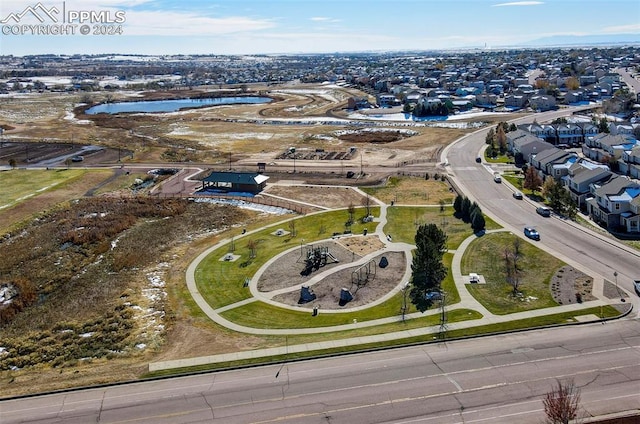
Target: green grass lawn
563	318
486	256
403	222
221	282
18	184
412	191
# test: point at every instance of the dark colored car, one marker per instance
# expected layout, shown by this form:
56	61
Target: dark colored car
532	233
544	211
517	195
479	159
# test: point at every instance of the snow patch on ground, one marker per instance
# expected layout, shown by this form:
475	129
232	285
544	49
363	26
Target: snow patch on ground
180	130
407	132
7	293
150	315
244	136
245	205
71	117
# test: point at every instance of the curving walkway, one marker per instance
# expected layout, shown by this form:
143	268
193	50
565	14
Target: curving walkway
466	302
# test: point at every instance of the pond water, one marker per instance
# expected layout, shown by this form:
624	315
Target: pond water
150	106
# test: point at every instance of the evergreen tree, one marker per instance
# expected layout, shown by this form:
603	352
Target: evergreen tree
477	220
603	126
490	138
427	268
457	205
465	213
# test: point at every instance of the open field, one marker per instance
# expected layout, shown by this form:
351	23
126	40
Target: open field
413	191
126	280
485	256
212	134
35	191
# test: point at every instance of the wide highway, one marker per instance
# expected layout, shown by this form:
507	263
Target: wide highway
499	379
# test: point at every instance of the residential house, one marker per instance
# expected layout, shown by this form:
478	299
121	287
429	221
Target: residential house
616	204
610	78
575	96
569	134
412	97
544	131
462	105
582	175
630	164
542	102
603	146
515	101
465	91
524	144
587	80
616	128
486	100
588	130
356	103
387	100
553	162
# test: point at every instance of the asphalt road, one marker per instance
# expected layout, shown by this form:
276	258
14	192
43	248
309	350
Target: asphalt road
499	379
486	380
576	245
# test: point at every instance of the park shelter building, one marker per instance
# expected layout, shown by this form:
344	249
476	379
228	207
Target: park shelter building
225	182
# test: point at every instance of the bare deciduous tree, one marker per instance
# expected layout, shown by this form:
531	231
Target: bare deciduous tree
532	180
512	271
252	245
352	210
366	202
562	402
292	228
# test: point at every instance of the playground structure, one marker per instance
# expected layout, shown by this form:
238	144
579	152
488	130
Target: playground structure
362	275
316	257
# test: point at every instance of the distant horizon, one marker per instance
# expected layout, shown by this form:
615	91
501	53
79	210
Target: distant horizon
470	49
288	27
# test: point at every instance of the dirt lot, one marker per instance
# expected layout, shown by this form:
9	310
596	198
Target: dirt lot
329	197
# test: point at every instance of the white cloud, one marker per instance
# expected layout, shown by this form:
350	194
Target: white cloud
625	29
324	19
519	3
176	23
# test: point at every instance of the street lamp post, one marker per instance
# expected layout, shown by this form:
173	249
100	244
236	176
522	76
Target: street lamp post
405	289
615	276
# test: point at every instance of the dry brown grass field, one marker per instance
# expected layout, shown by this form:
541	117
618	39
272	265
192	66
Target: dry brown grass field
203	137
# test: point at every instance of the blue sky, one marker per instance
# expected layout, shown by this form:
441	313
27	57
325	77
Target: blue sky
300	26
